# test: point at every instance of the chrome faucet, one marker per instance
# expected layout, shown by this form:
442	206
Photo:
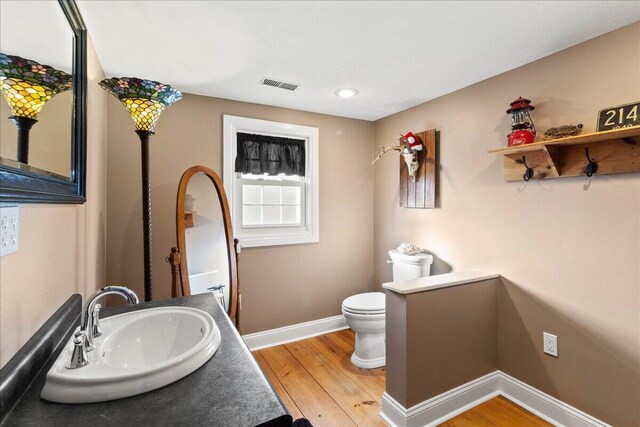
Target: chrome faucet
90	324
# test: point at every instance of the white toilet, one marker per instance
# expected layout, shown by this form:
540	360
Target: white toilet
365	313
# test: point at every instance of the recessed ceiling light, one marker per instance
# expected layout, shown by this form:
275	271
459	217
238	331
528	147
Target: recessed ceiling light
346	93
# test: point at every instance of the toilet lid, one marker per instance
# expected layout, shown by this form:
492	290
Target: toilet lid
367	302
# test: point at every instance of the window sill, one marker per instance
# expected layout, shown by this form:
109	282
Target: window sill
256	242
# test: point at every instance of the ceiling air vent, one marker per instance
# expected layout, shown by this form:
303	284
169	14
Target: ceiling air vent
277	83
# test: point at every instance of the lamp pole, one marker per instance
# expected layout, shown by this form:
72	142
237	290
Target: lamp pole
145	137
24	125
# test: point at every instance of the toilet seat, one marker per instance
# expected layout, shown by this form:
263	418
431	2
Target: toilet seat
368	303
363	313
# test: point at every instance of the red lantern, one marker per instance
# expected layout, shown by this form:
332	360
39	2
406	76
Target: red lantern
523	130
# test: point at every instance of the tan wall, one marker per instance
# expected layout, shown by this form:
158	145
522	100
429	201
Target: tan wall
62	248
590	374
571	245
450	337
280	285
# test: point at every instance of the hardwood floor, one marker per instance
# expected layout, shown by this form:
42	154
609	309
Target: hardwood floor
497	412
316	380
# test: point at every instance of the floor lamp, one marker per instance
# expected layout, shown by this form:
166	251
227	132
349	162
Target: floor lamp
145	100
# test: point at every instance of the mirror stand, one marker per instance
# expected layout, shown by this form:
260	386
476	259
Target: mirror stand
174	261
205	241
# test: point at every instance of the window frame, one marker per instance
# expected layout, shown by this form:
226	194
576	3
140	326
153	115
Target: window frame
276	235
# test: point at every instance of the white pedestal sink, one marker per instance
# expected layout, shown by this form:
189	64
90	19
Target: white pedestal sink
138	352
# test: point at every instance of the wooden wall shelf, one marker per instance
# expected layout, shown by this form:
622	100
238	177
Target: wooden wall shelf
614	151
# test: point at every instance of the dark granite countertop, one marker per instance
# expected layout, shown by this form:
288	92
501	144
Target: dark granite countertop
228	390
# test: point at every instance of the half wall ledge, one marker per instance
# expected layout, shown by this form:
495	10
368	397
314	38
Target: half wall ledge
439	281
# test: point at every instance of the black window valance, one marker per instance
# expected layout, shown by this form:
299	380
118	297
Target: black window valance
272	155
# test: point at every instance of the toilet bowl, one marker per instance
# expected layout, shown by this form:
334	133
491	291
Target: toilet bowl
365	313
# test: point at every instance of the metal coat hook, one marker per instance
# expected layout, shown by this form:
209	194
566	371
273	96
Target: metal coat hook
528	174
592	167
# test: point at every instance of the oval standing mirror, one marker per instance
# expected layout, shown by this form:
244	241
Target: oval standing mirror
206	252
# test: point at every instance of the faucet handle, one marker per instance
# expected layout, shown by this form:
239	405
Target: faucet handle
87	342
79	355
95	322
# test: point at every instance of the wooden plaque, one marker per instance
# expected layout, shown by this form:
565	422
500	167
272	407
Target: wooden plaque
421	193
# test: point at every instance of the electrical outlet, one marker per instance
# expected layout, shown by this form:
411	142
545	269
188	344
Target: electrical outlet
550	344
9	229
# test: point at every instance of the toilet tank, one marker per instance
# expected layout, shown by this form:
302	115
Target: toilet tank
409	267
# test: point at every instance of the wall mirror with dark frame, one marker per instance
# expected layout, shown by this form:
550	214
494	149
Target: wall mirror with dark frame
43	107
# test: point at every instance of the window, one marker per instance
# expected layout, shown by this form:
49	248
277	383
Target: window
271	181
270	202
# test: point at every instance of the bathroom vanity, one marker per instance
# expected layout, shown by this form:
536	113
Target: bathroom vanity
228	390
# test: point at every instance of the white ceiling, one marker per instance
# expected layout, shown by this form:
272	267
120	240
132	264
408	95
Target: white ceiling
397	54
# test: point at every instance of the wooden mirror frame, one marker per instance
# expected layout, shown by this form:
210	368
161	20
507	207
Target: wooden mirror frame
178	257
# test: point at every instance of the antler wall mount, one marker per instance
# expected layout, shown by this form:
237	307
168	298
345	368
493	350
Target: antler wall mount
408	147
417	168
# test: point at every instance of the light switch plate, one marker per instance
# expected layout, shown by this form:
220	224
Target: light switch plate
9	230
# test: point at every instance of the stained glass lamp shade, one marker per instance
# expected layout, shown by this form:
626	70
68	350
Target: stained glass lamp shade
27	86
145	99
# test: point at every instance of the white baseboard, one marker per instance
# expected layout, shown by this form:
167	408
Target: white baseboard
442	407
547	407
296	332
447	405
